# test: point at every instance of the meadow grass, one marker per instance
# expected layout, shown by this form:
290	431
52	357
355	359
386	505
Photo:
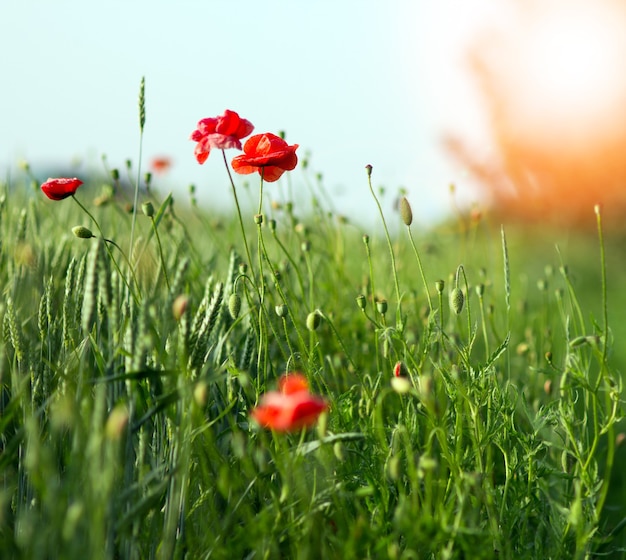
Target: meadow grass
124	412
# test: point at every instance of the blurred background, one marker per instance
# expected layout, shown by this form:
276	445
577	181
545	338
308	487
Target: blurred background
520	105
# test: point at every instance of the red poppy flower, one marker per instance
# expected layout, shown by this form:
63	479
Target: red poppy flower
221	132
291	407
160	164
268	154
58	189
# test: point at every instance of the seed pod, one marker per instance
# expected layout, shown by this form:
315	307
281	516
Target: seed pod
148	209
405	211
361	301
440	284
234	305
313	321
381	306
456	300
82	232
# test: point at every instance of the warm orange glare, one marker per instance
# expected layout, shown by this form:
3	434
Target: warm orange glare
568	79
554	86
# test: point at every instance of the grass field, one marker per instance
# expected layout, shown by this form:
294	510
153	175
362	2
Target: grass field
128	379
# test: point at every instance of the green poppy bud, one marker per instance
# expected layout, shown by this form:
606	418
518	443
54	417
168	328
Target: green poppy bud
234	305
82	232
456	300
381	306
405	211
313	321
440	284
148	209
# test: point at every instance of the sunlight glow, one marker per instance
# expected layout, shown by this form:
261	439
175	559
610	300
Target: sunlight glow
568	79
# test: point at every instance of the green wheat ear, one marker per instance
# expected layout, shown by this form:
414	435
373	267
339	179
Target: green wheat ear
68	308
91	288
15	334
142	103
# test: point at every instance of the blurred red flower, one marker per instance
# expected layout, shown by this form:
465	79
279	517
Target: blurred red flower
60	188
291	407
223	132
160	164
400	370
268	154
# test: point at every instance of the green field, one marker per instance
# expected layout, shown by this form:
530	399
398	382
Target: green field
125	427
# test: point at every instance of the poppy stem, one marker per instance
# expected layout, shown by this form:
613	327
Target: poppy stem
399	325
163	264
119	271
243	229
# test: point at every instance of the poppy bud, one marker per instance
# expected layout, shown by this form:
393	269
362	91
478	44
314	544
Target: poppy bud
547	387
82	232
243	268
456	300
369	170
439	284
361	301
313	321
405	211
200	393
258	219
400	385
116	422
115	174
234	305
281	310
148	209
381	306
179	306
400	370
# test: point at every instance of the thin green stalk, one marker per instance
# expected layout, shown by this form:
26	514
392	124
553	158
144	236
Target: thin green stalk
610	453
421	269
241	225
158	238
122	276
293	263
142	122
279	289
371	271
399	325
262	353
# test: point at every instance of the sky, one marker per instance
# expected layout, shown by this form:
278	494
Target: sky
353	82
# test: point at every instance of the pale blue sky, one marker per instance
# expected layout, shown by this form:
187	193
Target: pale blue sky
352	82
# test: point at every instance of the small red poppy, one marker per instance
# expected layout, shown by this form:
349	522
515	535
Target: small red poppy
60	188
223	132
160	164
268	154
290	408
